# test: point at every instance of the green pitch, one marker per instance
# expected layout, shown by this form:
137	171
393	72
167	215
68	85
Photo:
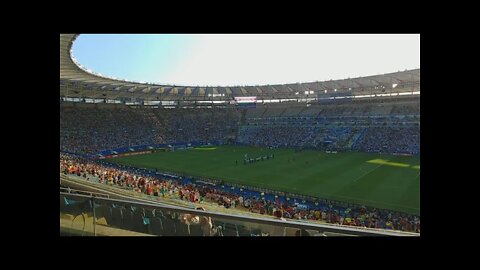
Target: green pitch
383	181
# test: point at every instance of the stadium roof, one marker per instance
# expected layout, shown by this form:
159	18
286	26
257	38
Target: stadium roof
75	81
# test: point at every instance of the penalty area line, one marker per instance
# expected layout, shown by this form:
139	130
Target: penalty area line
368	172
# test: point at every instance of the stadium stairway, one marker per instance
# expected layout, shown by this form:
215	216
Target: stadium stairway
243	118
356	136
301	111
160	119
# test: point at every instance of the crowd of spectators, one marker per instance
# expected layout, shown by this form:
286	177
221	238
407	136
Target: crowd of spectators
276	136
383	139
389	140
91	130
385	127
334	138
200	125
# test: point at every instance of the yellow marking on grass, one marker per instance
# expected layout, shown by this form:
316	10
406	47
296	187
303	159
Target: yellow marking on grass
205	148
416	167
388	163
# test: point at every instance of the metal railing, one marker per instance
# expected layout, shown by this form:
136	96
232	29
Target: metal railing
83	192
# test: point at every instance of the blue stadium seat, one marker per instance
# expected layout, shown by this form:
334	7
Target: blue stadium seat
156	226
181	228
117	216
196	230
128	218
243	231
139	221
230	229
168	226
149	213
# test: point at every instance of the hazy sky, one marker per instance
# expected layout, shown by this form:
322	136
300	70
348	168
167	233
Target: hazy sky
227	60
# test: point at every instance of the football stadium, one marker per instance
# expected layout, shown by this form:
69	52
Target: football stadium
322	158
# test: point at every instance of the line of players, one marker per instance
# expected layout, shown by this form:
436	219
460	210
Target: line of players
248	160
